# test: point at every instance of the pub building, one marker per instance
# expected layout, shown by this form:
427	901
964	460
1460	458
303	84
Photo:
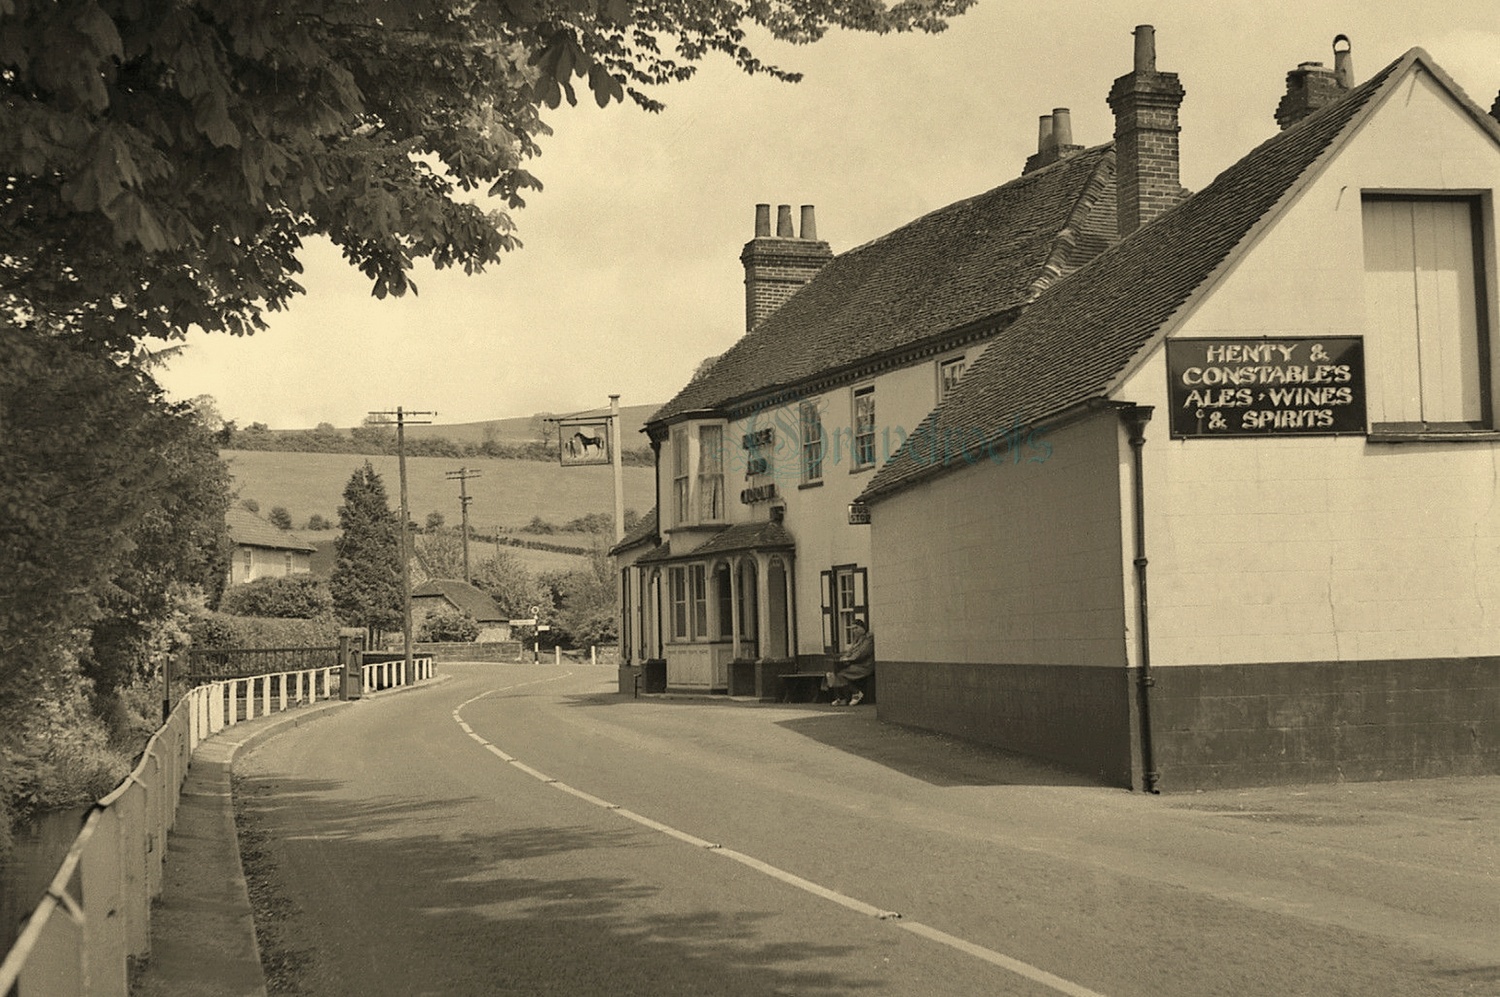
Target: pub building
1268	404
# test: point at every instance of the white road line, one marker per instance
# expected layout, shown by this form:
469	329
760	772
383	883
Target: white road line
1016	966
932	934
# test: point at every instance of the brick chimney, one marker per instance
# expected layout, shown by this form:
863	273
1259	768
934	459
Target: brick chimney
1054	140
776	266
1312	86
1145	103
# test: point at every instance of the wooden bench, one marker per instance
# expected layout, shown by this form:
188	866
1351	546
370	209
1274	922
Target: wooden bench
801	687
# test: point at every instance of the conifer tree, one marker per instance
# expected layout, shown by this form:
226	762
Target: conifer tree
366	581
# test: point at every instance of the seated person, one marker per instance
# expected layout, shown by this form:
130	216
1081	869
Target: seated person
858	663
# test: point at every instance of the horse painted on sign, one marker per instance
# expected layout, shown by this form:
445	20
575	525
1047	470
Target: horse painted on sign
582	445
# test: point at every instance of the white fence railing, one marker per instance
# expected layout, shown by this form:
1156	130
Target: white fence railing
95	916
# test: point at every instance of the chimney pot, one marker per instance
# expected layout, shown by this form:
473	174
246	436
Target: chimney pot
1145	48
776	267
762	221
809	229
1062	126
1310	87
1043	132
1145	104
1343	61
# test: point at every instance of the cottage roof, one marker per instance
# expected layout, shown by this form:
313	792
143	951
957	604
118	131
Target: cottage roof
246	529
967	263
1077	341
739	537
462	596
643	531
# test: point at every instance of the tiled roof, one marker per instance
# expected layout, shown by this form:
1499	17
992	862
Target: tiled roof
957	266
643	531
1076	339
462	596
249	530
739	537
749	536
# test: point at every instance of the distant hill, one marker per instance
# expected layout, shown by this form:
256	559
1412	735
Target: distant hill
525	429
507	493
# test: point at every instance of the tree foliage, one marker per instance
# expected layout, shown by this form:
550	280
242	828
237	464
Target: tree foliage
366	580
166	161
300	597
441	552
448	625
112	505
585	597
108	495
511	584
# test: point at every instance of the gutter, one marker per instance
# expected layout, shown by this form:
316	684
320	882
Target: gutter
1135	418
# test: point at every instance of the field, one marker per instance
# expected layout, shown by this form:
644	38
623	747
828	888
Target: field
525	429
507	494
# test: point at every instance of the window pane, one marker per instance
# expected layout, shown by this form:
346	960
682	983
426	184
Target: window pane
949	372
680	484
724	598
678	585
864	427
711	472
812	442
700	600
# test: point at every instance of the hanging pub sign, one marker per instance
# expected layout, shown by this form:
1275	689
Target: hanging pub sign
1294	386
583	440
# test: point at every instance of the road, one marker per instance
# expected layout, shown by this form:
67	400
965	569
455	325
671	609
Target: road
522	829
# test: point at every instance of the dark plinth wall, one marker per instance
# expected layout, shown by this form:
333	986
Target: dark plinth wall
1260	724
1219	725
1078	717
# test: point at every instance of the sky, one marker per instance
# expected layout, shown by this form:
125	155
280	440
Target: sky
629	274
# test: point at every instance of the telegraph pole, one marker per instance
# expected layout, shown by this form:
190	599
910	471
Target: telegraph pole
402	418
462	476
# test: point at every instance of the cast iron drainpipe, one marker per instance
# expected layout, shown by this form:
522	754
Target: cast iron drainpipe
1136	417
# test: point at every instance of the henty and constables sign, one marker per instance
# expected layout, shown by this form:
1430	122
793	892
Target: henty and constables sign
1294	386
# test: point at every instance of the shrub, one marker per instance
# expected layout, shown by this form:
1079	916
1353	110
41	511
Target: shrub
445	625
301	597
57	754
223	630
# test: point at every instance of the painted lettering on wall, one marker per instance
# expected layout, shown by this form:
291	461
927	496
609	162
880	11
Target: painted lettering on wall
759	493
1266	387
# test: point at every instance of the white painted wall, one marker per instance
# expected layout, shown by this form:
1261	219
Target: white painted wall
1324	548
266	563
1009	562
817	515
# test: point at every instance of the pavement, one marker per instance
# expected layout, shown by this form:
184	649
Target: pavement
202	927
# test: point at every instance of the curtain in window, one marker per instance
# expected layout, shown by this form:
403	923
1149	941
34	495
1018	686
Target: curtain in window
710	473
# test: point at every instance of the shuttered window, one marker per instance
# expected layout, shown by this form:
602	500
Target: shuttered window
845	602
1427	348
